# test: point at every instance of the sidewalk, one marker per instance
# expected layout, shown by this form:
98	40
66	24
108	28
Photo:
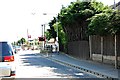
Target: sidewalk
98	69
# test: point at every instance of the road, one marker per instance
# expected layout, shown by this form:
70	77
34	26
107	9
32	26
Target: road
30	65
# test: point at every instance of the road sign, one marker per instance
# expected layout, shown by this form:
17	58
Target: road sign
41	38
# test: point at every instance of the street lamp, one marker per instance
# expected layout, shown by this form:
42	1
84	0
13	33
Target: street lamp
57	40
43	34
116	60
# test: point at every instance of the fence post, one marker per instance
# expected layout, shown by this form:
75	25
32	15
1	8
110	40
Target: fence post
102	47
116	62
90	46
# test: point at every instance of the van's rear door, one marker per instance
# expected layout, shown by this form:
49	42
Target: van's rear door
0	52
5	70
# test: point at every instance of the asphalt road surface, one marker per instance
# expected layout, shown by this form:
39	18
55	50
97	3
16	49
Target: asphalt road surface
31	66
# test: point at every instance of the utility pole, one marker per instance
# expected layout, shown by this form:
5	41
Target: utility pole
43	34
116	60
27	34
57	40
27	38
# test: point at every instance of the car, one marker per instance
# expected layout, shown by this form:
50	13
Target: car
17	49
52	47
7	60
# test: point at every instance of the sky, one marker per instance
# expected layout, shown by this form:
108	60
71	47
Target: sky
16	16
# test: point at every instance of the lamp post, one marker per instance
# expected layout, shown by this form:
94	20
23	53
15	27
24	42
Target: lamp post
57	40
43	34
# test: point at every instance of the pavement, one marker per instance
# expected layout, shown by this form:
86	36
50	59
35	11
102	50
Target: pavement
92	67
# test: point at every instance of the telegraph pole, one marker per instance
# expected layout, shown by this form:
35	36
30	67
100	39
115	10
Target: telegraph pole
43	34
116	61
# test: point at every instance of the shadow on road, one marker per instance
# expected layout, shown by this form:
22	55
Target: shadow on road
57	69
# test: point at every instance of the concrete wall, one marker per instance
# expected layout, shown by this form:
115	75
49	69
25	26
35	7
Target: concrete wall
79	49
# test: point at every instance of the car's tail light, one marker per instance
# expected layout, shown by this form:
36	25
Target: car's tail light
12	73
8	58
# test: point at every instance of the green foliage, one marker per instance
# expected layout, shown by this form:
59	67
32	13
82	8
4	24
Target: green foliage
98	19
48	35
98	7
52	33
105	23
21	41
55	27
78	12
74	13
115	23
99	24
61	33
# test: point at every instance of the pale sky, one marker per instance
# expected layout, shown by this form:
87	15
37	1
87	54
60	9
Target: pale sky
16	16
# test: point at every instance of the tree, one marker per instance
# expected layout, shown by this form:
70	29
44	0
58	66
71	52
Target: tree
55	27
21	41
99	24
62	38
48	35
52	30
115	30
74	18
106	24
115	23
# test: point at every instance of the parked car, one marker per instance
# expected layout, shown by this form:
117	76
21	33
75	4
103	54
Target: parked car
16	48
53	47
7	60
